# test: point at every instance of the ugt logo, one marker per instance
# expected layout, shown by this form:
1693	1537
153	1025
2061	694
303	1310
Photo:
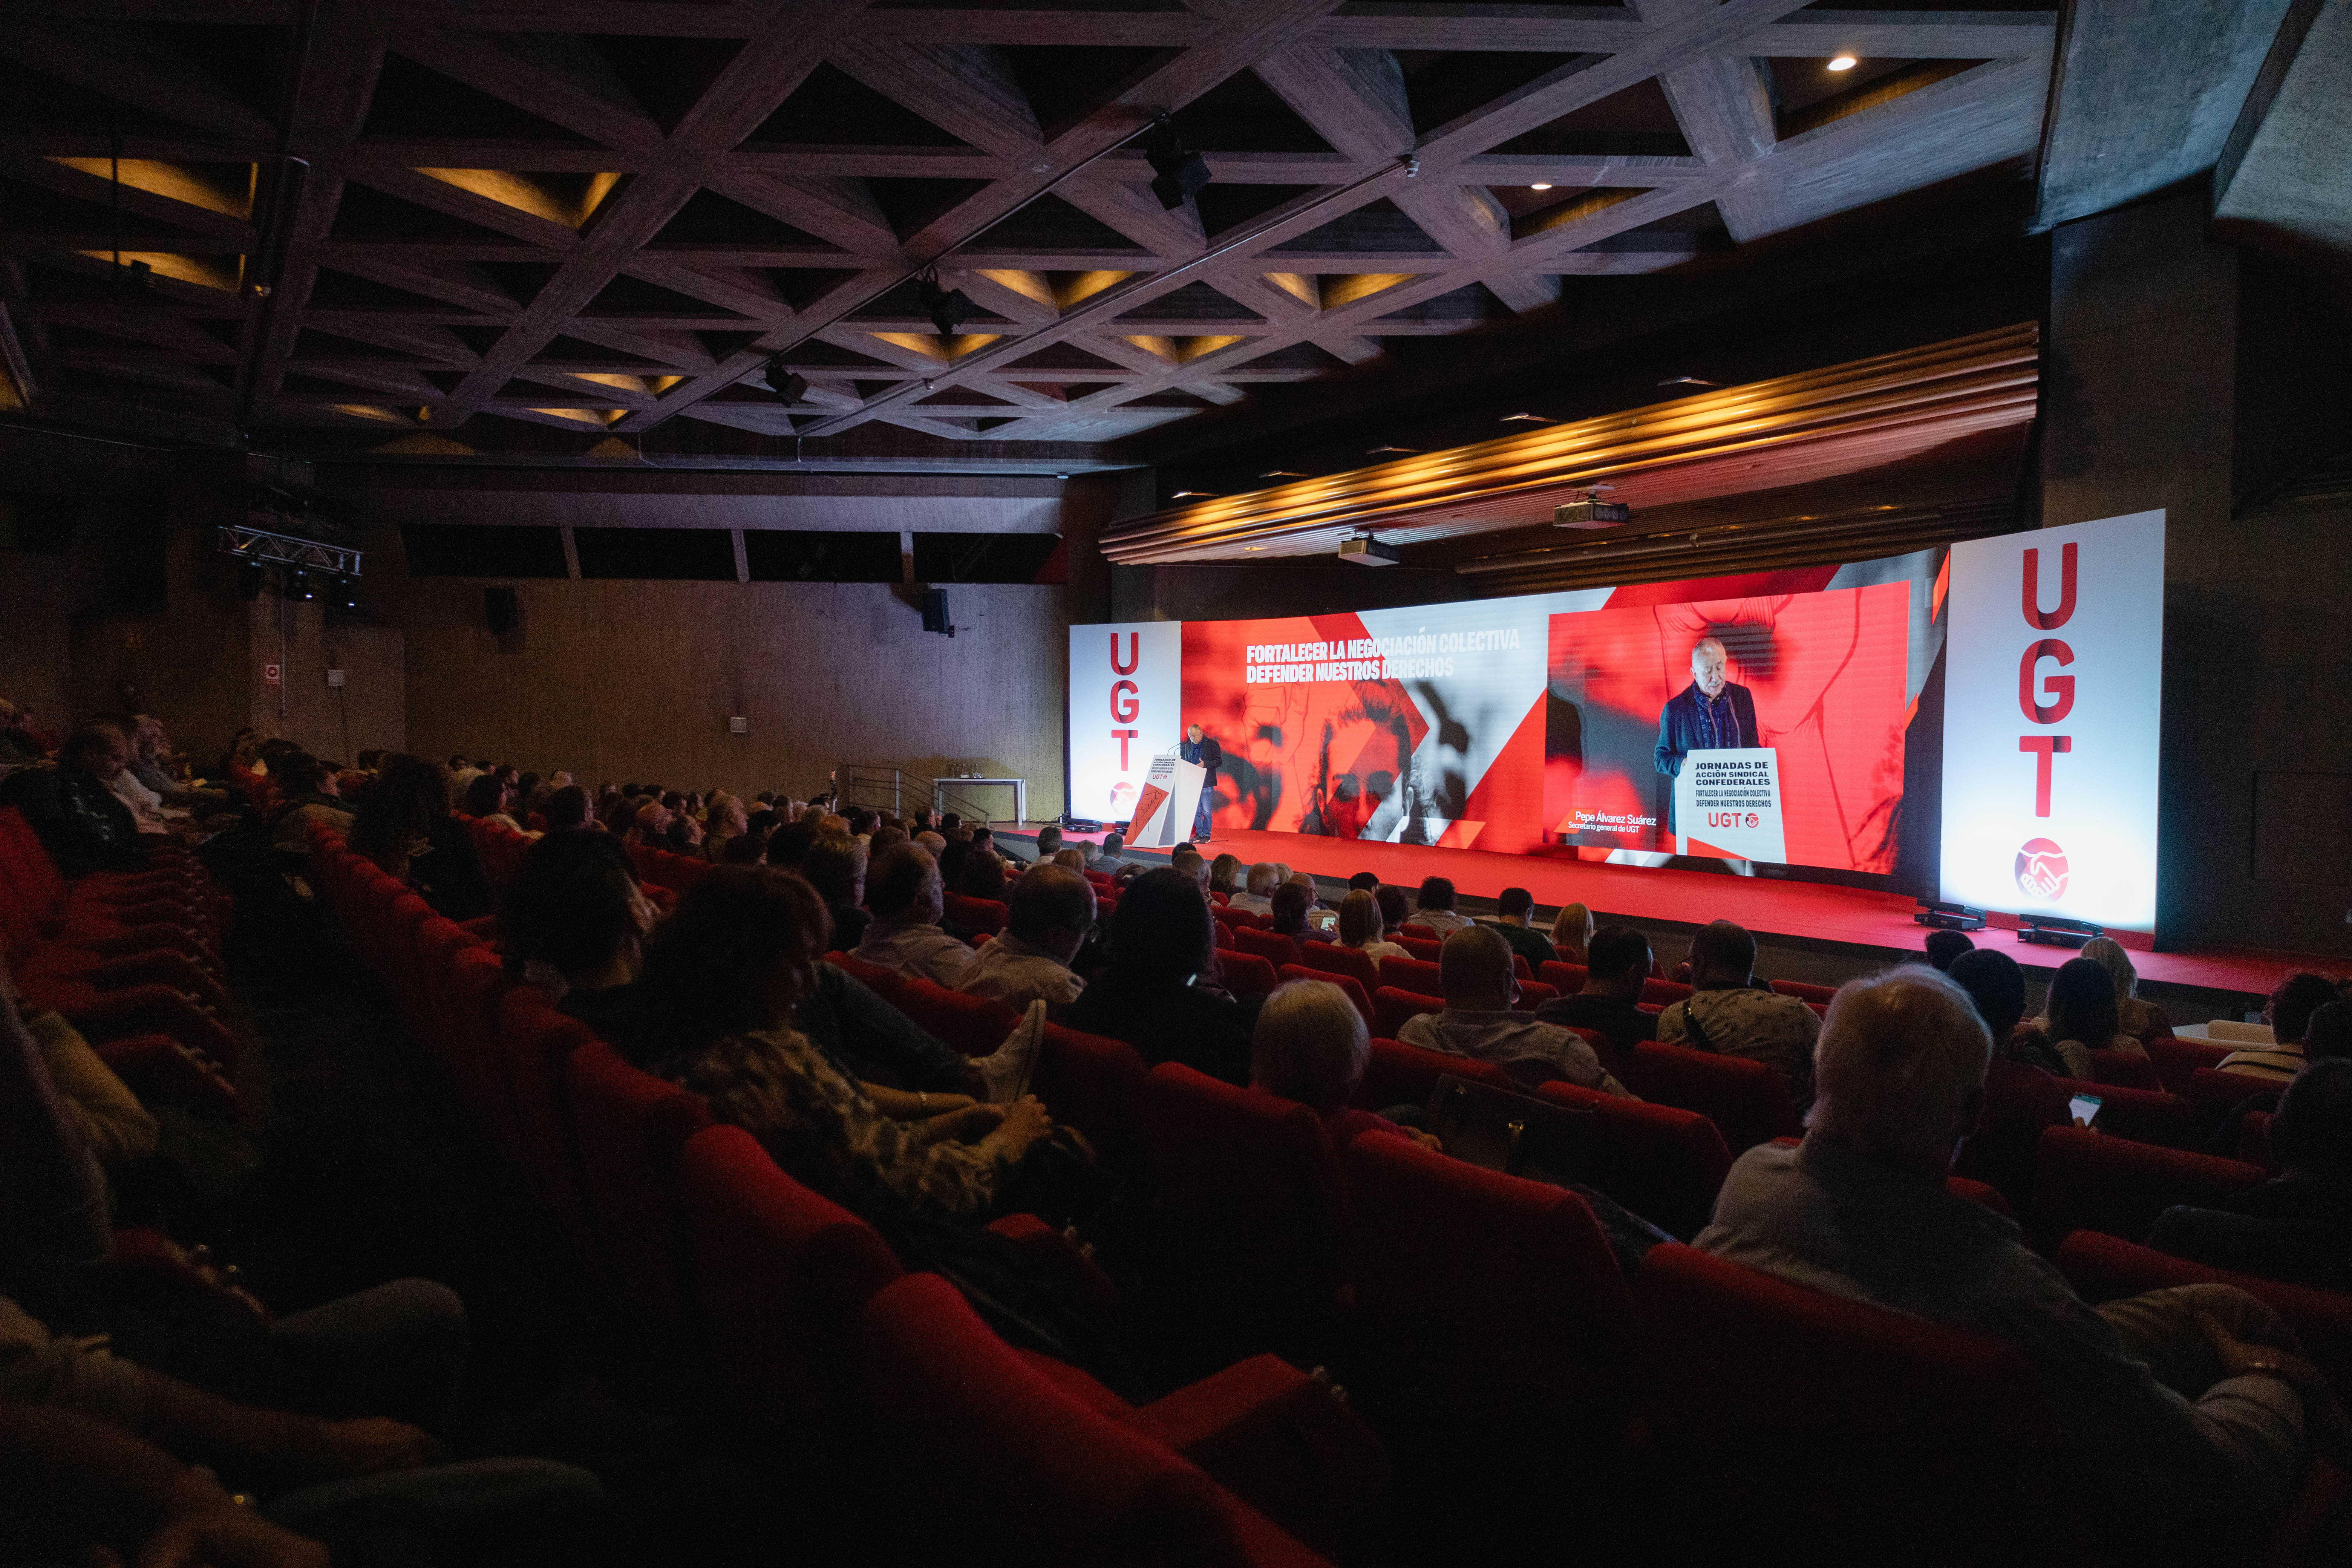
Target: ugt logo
2042	869
1753	820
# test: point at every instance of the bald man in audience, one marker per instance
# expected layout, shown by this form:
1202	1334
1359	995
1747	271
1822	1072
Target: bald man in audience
1475	967
2186	1407
904	890
1050	909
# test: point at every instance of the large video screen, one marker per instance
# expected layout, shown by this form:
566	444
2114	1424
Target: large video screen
1776	719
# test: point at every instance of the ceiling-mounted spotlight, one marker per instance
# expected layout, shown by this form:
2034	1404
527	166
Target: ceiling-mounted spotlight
1687	380
252	577
1590	511
1192	495
343	594
298	584
948	308
1366	551
787	387
1843	63
1178	174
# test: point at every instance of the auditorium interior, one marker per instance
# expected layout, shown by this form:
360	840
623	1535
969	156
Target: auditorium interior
1175	782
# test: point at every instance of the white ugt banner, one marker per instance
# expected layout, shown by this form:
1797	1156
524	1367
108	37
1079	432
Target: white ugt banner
2052	694
1127	693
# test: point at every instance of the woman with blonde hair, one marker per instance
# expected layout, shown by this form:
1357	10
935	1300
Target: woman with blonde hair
1571	929
1225	873
1361	927
2140	1020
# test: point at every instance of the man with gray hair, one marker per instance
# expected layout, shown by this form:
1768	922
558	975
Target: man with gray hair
1479	1022
1713	713
2186	1406
1049	912
1257	890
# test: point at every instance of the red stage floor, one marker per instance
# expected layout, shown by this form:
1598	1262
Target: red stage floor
1809	911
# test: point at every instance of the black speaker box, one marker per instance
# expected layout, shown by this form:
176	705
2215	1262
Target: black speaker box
501	610
935	612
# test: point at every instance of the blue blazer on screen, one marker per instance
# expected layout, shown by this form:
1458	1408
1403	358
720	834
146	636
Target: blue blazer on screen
1678	727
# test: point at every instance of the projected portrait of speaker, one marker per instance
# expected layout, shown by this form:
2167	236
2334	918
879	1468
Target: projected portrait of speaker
1713	713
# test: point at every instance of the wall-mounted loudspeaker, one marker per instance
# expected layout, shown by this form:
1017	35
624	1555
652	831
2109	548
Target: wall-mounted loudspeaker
501	610
935	612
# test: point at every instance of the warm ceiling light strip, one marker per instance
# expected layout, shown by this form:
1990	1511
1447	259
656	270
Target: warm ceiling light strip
1934	392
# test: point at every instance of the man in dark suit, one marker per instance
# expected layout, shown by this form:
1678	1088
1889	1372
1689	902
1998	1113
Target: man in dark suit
1714	712
1198	747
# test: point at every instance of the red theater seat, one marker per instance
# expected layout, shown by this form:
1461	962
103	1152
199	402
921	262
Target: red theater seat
1347	984
1665	1163
2144	1116
1416	974
1753	1384
1276	950
976	914
1391	1008
1352	961
2176	1060
1568	979
1746	1100
1399	1074
2125	1072
2085	1182
1091	1083
1818	996
1664	992
1425	947
1533	994
630	1129
2214	1094
976	1026
1246	975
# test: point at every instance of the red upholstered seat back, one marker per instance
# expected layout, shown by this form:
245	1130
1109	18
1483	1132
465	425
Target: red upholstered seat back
1425	946
1391	1008
1276	950
1492	1307
630	1128
2125	1072
1819	995
1665	1163
1746	1100
1348	984
2176	1059
2214	1093
1663	992
976	914
2085	1182
1091	1083
1418	975
1399	1074
2144	1116
781	1275
1352	961
1245	974
1566	978
991	1462
535	1041
976	1026
874	976
1777	1413
1251	1200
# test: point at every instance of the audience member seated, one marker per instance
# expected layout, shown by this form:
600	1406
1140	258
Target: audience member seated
684	834
727	821
151	762
73	807
1225	873
1571	933
983	876
1257	890
1361	927
572	923
1288	910
2140	1020
1071	858
487	799
566	810
1107	860
2182	1405
1616	967
2297	998
1365	881
1513	910
2298	1226
1433	906
2079	1017
835	866
1726	1014
1996	986
1052	909
19	746
1157	994
904	893
722	976
789	845
1310	1044
1049	843
1944	946
307	793
1478	1022
651	824
1394	911
404	827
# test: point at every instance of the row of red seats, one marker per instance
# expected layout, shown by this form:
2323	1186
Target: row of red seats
799	1315
132	959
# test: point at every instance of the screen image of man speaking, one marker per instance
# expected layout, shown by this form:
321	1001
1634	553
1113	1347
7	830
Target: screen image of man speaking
1198	748
1712	713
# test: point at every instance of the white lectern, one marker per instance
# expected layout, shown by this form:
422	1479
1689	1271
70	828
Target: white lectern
1727	804
1163	812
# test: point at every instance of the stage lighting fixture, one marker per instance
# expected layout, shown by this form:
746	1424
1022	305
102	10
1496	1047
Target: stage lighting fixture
1366	551
2055	930
1178	174
252	577
1842	63
948	308
1945	916
343	594
1541	185
298	584
1193	495
787	387
1589	510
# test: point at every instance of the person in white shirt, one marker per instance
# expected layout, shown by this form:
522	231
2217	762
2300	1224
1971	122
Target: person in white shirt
1433	906
1259	885
1050	911
1475	967
2297	998
904	890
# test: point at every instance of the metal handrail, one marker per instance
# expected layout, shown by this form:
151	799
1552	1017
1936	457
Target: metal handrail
892	789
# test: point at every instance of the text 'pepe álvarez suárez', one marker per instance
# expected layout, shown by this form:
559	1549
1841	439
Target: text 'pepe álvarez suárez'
1423	655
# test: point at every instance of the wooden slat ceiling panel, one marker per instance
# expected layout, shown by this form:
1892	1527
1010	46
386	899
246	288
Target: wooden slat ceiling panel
491	184
1762	435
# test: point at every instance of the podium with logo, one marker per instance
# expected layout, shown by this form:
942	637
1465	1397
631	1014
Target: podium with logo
1163	812
1727	804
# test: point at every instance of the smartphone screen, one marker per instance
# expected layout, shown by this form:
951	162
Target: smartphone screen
2085	1108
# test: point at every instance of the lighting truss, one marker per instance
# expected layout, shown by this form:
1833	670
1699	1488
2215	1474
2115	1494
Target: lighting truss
285	550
